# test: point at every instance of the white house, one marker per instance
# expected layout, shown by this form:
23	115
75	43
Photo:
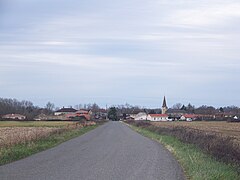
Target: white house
157	117
188	117
140	116
14	116
235	117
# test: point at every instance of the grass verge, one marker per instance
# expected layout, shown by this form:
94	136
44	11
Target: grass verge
197	165
20	151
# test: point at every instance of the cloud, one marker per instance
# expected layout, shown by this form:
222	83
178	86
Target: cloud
119	49
53	43
207	15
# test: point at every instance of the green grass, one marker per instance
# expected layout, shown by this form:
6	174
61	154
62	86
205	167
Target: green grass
35	123
20	151
197	165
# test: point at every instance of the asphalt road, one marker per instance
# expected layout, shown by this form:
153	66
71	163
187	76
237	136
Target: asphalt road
111	151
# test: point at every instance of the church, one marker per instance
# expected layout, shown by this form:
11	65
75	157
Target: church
154	117
160	117
164	106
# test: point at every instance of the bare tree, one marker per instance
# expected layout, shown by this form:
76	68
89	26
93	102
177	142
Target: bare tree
50	106
177	106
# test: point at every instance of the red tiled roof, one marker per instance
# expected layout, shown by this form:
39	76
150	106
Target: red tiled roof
82	112
158	115
86	116
189	115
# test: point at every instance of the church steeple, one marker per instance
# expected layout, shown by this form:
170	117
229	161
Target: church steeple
164	102
164	106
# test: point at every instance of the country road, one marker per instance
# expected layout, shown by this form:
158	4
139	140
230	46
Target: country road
111	151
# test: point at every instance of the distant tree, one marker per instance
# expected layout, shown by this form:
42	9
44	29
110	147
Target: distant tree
152	111
13	106
177	106
208	110
221	110
95	108
50	106
190	108
183	107
112	114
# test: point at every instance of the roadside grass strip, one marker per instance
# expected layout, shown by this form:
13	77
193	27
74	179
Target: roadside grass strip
196	164
19	151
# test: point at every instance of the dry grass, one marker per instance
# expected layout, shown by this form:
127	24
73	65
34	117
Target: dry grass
216	138
19	142
12	135
222	128
35	123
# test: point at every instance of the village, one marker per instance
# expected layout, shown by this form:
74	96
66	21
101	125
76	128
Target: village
138	114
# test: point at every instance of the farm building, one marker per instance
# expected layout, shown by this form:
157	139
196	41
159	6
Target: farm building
64	110
188	117
140	116
14	117
157	117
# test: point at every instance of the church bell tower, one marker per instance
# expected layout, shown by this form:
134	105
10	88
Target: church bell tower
164	106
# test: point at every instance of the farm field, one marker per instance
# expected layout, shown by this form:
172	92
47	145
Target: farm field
17	132
35	123
10	136
221	128
19	139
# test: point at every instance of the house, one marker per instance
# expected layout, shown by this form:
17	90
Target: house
188	117
157	117
140	116
86	114
41	117
14	117
83	111
100	114
64	110
235	117
175	114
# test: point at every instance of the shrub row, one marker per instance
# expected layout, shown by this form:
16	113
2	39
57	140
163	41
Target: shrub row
221	147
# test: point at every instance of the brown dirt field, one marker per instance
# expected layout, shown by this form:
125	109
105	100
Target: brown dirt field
14	135
223	128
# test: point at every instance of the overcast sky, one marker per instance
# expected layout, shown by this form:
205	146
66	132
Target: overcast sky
113	52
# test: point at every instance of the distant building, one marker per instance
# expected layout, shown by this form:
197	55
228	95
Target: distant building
85	114
164	106
14	117
188	117
157	117
175	114
235	117
41	117
84	111
63	111
140	116
100	114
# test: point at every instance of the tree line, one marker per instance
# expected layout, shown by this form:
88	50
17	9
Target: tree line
14	106
204	109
